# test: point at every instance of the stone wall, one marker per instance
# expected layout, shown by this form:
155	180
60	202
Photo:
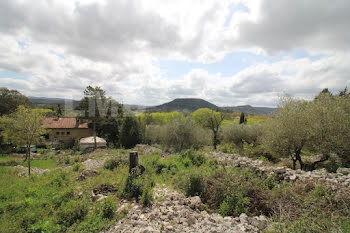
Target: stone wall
341	177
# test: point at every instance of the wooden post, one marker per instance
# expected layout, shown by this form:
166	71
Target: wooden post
134	160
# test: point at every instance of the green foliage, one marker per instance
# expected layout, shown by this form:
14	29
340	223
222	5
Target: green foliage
182	133
147	196
238	134
10	100
133	187
234	205
321	126
115	162
77	167
71	212
45	112
130	133
195	184
195	158
159	118
209	119
108	208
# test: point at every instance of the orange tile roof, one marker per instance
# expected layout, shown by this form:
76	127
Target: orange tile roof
64	123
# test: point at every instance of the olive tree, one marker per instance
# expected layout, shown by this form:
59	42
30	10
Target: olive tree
286	134
322	125
210	119
329	126
23	127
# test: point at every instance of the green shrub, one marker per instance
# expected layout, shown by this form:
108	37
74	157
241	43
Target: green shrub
196	158
133	187
77	167
234	205
71	212
147	197
108	208
195	184
45	226
67	160
113	163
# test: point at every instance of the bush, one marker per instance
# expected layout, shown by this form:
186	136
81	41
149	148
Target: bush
195	184
147	197
108	208
195	158
71	212
113	163
77	167
234	205
130	132
133	187
238	134
179	134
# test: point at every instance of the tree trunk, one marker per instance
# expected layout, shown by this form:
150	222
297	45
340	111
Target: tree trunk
28	151
215	140
298	157
134	160
294	164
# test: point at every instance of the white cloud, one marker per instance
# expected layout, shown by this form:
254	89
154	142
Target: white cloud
64	46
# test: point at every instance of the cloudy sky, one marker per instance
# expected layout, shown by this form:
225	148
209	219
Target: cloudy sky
229	52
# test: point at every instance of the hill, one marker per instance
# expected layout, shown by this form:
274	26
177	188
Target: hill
192	104
183	104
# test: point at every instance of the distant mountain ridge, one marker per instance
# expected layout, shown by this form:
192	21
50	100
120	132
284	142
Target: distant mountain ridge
183	104
192	104
179	104
50	102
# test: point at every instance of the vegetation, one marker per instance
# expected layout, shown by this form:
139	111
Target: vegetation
10	100
23	127
211	120
61	201
320	125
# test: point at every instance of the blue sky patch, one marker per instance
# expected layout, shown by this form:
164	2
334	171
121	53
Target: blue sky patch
11	74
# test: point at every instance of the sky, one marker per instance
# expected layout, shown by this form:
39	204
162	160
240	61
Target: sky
147	52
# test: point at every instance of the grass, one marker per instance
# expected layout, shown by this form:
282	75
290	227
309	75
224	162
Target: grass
58	202
41	163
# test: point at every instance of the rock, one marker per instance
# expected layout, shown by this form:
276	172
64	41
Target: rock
196	203
293	177
243	218
191	220
343	171
86	173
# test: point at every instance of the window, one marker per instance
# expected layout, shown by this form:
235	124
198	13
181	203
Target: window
62	133
68	133
57	133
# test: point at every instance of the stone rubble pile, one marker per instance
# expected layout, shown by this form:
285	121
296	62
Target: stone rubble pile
173	212
33	170
93	164
341	177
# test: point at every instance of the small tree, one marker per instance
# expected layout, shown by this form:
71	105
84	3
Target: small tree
10	100
130	132
23	127
286	133
210	119
329	124
242	119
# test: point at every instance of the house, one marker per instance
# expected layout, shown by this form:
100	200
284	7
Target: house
66	129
